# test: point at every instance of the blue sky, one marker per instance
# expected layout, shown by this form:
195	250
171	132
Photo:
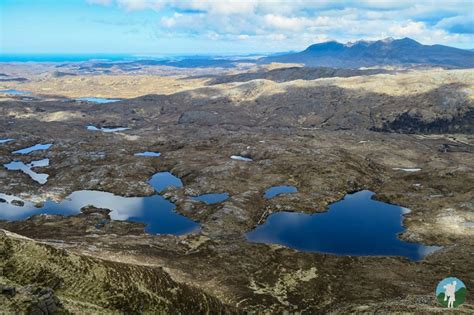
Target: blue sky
223	27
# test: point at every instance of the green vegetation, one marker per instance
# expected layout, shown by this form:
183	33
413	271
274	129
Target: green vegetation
92	285
460	298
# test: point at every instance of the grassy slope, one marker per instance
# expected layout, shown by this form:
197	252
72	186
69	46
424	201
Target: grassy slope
88	284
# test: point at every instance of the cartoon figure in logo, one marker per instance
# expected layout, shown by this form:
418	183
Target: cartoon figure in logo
450	293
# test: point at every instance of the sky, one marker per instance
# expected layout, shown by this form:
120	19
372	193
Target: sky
163	27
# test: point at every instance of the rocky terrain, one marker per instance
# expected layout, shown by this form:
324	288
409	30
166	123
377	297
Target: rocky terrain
84	284
327	136
284	74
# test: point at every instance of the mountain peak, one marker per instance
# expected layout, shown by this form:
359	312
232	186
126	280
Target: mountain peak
385	41
325	46
388	51
408	40
358	42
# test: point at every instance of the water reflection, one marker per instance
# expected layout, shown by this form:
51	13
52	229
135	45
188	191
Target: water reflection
356	225
162	180
98	100
212	198
14	92
6	140
148	153
27	169
279	190
36	147
155	211
241	158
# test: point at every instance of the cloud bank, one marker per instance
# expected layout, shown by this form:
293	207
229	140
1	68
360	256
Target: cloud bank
298	23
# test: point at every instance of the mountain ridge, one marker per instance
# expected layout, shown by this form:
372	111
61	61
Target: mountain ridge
393	52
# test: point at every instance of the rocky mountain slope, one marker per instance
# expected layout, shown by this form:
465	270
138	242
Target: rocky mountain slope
398	52
442	104
41	279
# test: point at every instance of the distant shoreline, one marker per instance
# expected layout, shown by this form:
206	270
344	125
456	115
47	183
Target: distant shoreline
112	57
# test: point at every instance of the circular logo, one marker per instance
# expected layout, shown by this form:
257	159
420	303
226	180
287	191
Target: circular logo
451	292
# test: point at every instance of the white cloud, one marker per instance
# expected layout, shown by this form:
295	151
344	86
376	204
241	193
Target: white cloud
287	23
408	29
170	21
277	37
298	23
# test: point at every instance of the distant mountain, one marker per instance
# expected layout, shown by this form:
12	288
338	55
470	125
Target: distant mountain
389	51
